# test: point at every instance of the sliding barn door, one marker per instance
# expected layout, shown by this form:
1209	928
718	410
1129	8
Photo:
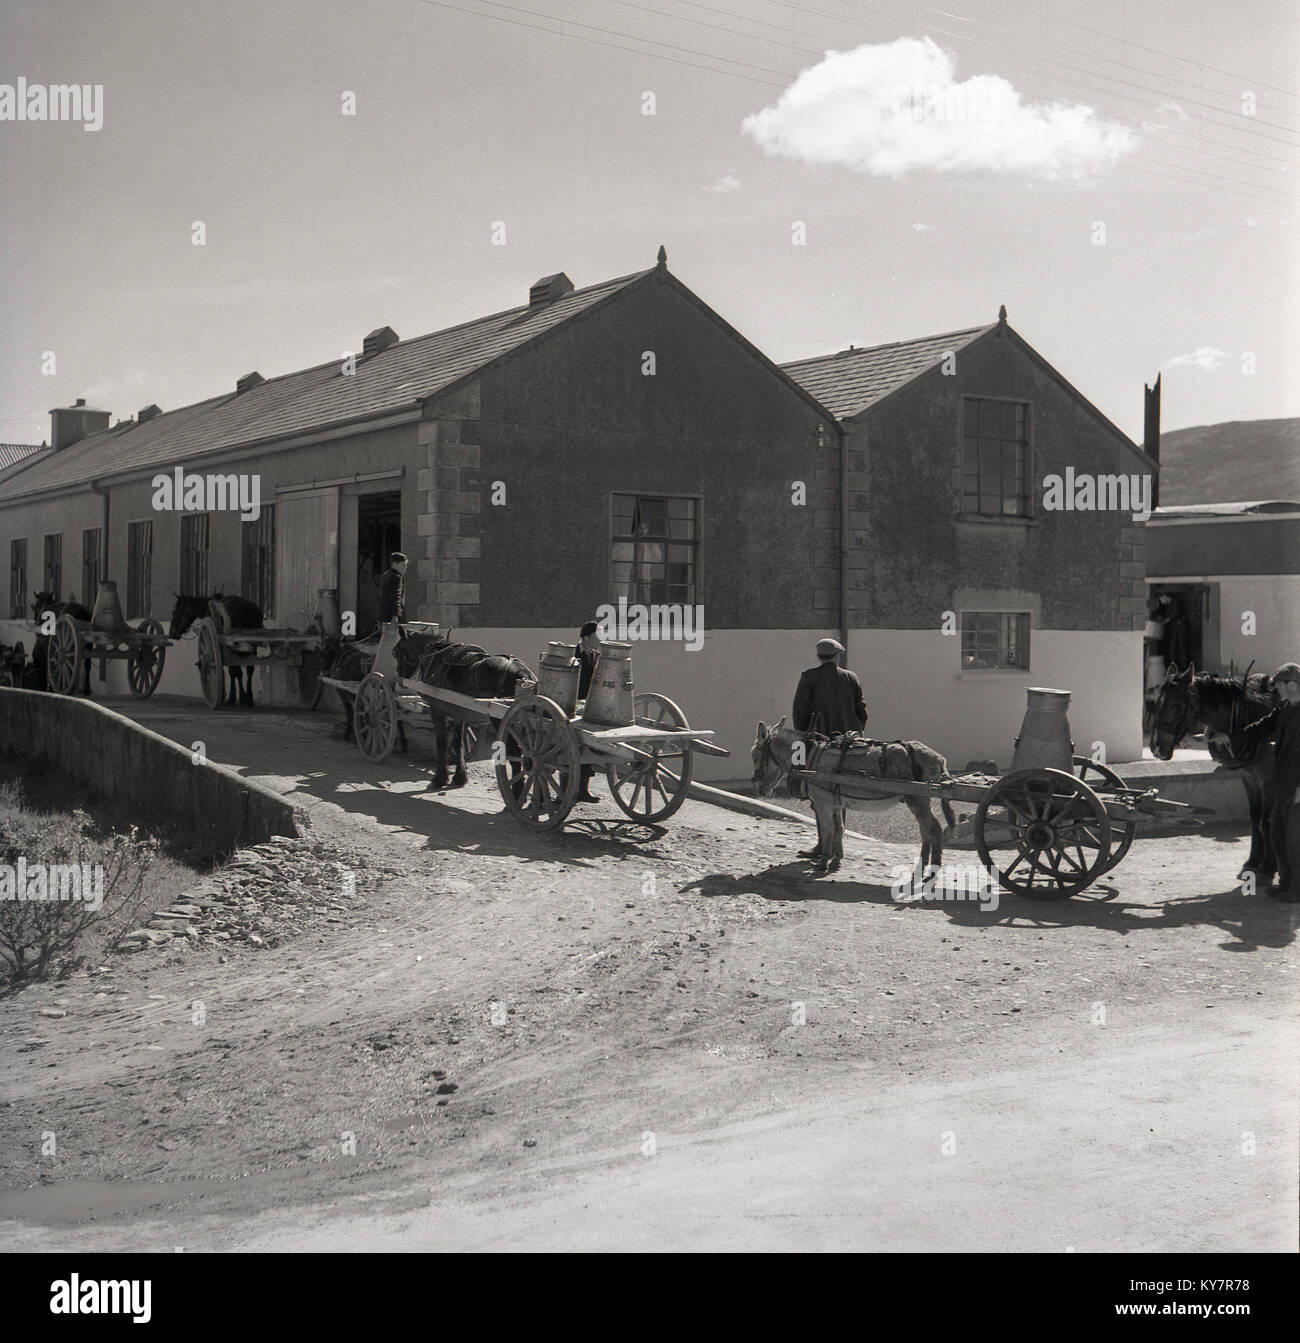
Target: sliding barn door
306	553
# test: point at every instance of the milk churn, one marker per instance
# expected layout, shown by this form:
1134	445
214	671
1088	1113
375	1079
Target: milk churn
557	676
609	699
107	614
1044	740
327	611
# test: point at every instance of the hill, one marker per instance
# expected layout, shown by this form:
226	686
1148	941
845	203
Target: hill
1235	461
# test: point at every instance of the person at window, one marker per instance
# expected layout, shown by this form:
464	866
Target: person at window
587	651
1281	726
392	592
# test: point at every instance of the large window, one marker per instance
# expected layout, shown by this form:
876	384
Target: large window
995	457
257	566
654	549
194	555
52	577
995	640
18	579
139	569
92	564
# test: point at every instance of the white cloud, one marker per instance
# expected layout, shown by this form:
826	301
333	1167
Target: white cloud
1207	357
728	183
895	107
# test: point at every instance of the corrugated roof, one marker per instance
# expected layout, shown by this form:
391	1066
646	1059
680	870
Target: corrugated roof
11	453
296	403
851	380
1248	508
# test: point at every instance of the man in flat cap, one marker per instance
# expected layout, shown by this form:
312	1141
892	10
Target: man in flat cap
1282	726
829	695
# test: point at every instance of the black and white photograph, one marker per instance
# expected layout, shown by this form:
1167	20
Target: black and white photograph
640	626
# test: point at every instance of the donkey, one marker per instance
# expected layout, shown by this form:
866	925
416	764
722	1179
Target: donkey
43	602
773	756
469	670
243	615
1222	704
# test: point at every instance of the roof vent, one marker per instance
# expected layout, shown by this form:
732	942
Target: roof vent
248	382
548	289
378	341
147	413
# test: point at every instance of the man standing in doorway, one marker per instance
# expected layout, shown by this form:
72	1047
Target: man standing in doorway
587	651
392	591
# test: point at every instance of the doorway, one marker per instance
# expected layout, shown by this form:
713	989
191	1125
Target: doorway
379	533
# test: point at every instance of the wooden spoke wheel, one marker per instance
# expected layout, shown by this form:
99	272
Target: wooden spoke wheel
376	718
212	672
64	659
540	774
144	669
1102	779
1045	833
652	790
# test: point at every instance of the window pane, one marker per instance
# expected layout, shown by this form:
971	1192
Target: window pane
990	419
970	417
1009	412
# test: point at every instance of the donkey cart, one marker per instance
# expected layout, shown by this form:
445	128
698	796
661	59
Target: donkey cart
74	641
1047	833
539	750
221	647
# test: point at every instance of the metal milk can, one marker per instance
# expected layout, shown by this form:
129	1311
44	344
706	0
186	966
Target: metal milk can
1044	741
107	614
610	700
557	676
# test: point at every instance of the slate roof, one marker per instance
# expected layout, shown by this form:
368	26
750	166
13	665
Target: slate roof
396	379
849	381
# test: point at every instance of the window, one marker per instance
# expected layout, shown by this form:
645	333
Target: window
92	563
995	640
995	453
257	567
18	579
654	549
194	555
53	574
139	569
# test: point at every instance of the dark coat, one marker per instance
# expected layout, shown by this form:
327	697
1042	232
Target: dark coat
1281	725
392	597
835	694
588	669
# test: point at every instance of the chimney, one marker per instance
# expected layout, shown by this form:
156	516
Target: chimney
1151	435
148	413
248	382
378	341
548	289
70	424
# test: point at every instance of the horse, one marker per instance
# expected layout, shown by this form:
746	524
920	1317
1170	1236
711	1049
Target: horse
1222	705
773	756
468	670
242	615
39	672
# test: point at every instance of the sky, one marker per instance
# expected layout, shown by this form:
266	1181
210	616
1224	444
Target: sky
1122	176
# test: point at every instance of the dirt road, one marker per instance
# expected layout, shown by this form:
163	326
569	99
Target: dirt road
628	1038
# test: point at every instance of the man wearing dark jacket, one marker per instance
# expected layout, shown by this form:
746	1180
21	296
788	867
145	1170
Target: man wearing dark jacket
587	651
392	590
1282	726
829	696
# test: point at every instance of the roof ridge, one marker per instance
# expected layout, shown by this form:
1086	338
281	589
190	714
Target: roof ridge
890	344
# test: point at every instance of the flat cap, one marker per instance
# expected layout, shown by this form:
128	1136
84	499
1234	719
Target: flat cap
1288	671
828	648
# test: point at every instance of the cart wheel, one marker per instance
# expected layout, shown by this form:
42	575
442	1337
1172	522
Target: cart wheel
145	667
375	718
1102	779
63	661
1044	831
652	790
539	776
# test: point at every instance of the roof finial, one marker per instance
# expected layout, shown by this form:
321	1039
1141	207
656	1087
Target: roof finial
1002	315
662	258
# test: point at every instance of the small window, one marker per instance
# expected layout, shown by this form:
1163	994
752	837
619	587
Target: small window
18	579
995	457
654	549
139	569
52	577
194	555
257	568
995	641
92	564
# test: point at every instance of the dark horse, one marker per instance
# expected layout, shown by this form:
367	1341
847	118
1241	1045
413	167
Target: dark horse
37	675
468	670
1223	704
242	614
